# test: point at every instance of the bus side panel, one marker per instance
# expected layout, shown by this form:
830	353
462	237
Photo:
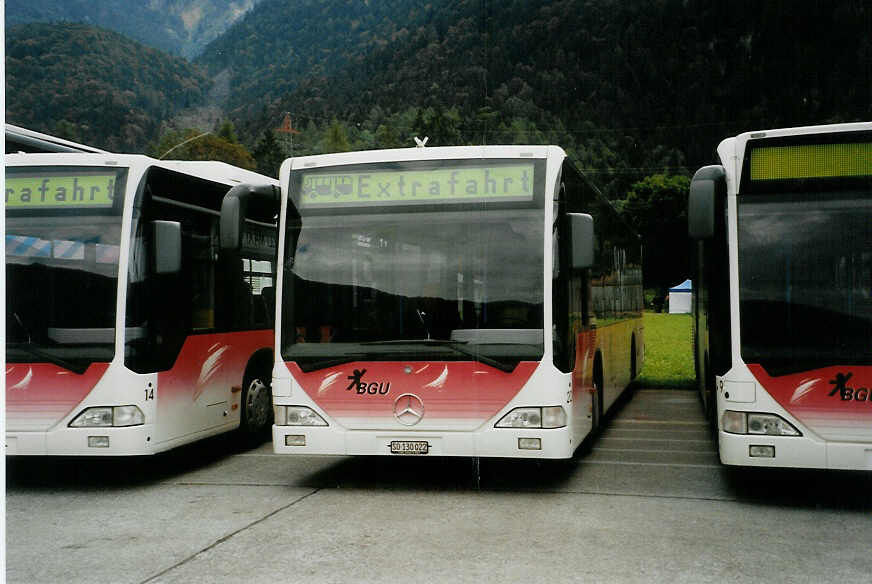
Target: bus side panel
39	395
197	393
613	343
582	385
616	341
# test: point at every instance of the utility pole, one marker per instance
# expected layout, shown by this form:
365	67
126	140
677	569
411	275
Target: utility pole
287	131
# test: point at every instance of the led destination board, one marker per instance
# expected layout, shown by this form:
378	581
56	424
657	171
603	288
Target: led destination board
53	191
811	161
503	182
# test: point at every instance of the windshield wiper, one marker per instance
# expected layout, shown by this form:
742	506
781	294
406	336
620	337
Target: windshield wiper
24	328
457	346
421	314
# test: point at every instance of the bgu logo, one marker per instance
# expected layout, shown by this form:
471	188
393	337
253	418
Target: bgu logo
363	388
840	386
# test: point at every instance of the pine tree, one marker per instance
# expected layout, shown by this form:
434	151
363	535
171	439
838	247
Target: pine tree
269	154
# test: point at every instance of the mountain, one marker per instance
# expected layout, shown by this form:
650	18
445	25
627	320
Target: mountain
281	43
180	27
94	86
629	87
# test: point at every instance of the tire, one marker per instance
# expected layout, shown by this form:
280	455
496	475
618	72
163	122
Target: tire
256	417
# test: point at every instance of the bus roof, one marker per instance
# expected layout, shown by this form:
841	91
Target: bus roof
731	150
427	153
743	138
20	139
206	169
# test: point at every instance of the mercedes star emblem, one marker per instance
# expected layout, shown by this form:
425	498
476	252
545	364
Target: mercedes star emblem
408	409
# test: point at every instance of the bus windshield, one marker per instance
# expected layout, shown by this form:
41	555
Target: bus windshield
805	280
445	285
62	265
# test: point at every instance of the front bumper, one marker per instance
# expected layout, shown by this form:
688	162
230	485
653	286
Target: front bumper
491	442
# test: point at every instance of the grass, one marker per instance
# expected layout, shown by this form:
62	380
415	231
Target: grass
668	352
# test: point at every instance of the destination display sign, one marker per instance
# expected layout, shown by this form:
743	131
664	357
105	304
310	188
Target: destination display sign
259	240
456	184
811	161
54	191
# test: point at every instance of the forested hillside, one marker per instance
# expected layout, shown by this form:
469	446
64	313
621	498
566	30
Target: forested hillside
631	87
94	86
281	43
639	92
181	27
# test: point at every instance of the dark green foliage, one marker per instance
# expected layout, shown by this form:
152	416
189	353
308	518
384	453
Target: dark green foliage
227	132
193	144
628	87
268	154
335	138
656	207
94	86
282	43
180	27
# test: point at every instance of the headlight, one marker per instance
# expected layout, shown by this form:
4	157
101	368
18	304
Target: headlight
108	417
297	416
770	425
547	417
553	417
757	424
735	422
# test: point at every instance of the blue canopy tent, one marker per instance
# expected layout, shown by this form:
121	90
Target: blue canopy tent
679	298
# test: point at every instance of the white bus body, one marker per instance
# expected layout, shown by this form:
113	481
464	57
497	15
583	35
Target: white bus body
110	348
431	304
783	296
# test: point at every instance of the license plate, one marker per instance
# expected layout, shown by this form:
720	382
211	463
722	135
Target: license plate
409	447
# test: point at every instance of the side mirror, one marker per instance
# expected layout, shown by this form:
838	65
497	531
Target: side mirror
167	247
701	201
581	241
241	201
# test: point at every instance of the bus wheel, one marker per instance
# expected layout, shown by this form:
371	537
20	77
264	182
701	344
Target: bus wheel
256	406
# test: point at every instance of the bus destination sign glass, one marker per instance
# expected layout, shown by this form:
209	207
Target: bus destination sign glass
811	161
459	184
61	191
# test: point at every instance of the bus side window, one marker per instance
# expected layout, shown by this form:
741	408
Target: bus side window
261	295
170	307
194	290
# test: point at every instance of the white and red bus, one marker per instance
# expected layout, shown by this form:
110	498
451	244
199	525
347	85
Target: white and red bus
783	315
452	301
128	330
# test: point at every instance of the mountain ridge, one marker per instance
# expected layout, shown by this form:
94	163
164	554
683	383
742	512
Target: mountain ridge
180	27
95	86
